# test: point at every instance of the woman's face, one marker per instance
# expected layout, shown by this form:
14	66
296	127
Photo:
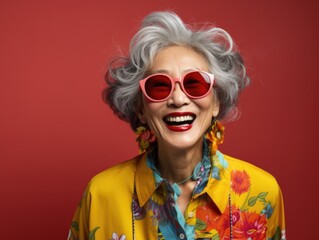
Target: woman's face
167	118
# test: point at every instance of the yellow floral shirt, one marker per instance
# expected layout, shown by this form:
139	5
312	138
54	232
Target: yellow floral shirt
239	201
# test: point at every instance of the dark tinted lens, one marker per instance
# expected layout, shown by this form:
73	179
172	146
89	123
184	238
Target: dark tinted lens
196	84
158	87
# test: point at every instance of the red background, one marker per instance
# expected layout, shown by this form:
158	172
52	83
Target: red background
56	133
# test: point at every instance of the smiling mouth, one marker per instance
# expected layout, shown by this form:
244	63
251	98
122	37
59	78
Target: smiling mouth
179	120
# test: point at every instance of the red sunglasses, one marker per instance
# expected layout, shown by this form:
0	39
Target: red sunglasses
158	87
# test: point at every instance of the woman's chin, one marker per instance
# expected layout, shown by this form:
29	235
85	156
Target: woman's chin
184	141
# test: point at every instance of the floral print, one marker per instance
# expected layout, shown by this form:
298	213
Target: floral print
116	237
267	210
240	182
138	212
231	200
206	216
160	205
220	164
75	226
250	225
240	221
217	222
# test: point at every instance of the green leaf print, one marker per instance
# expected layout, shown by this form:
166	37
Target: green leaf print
252	201
200	225
277	235
92	233
262	195
216	237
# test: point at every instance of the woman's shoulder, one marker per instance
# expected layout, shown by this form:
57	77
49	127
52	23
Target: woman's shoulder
125	167
258	177
239	164
116	176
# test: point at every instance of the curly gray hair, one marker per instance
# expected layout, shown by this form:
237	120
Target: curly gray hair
164	29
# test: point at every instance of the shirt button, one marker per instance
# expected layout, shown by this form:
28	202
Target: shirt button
181	236
191	214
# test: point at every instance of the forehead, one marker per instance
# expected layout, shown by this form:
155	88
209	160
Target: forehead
177	59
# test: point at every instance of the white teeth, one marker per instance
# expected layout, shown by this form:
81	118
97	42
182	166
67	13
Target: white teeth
180	119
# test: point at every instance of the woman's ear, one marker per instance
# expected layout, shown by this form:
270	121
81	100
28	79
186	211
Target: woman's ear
141	113
216	106
141	116
215	112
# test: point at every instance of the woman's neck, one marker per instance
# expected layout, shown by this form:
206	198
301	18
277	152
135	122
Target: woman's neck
176	165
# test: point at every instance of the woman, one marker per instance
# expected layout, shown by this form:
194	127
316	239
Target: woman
173	89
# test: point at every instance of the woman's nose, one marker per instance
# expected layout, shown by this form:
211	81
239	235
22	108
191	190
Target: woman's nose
178	97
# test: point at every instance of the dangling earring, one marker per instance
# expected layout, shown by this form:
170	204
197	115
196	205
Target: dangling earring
215	135
145	138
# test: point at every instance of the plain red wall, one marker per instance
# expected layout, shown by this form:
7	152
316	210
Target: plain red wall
56	133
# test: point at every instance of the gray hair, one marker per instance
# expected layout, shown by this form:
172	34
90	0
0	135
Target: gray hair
158	31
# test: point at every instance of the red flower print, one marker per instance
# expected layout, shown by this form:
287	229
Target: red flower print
223	225
250	226
208	214
240	181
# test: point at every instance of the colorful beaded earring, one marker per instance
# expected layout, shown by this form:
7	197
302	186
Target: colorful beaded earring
215	135
145	137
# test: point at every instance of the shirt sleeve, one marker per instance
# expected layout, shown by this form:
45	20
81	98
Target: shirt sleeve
80	223
277	219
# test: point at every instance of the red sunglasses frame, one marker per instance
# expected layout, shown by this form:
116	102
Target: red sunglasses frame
174	81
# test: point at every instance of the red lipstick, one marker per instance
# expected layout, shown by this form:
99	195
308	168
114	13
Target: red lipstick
179	121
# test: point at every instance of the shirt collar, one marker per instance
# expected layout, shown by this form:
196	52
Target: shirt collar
144	181
217	187
219	193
